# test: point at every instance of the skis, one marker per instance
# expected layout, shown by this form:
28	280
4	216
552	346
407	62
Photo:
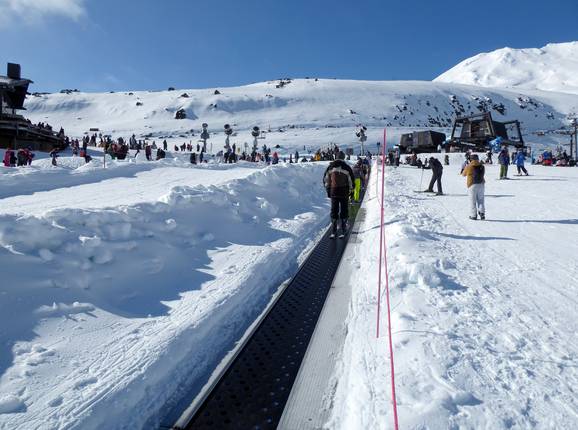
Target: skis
433	193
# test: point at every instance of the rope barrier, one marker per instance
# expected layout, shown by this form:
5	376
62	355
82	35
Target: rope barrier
383	259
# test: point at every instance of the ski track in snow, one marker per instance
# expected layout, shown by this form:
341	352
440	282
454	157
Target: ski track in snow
484	313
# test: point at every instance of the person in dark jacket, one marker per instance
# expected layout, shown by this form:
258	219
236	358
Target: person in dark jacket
504	161
338	181
437	170
22	157
54	155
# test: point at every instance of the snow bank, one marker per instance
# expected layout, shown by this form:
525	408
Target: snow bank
105	312
41	188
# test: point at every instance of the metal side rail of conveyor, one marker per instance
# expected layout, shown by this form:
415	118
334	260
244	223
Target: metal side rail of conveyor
253	389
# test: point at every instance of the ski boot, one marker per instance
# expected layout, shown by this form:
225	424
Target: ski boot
482	216
343	229
333	229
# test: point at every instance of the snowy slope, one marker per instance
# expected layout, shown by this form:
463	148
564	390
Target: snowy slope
551	68
483	313
334	107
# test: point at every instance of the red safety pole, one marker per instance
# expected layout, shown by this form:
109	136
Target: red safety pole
383	252
381	232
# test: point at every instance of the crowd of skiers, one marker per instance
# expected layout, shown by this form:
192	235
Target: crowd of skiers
473	169
547	158
20	158
120	149
504	160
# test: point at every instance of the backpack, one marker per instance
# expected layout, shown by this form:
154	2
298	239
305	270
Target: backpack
478	174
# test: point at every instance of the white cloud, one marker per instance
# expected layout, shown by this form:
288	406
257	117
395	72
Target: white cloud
32	11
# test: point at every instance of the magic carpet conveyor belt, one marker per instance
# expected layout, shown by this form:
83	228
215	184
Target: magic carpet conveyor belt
253	390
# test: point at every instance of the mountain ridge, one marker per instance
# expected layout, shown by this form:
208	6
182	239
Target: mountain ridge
553	67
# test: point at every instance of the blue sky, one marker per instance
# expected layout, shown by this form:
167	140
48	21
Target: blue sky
102	45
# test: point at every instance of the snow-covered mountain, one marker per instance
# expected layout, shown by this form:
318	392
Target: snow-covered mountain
301	103
551	68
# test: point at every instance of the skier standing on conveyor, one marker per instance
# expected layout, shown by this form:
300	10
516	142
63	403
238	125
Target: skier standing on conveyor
437	170
338	181
359	179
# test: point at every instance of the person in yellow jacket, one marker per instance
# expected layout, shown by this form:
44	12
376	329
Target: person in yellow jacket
358	174
474	172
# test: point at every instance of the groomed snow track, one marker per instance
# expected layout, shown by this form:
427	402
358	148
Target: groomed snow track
254	388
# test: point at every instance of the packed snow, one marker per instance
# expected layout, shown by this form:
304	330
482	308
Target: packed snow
551	68
483	312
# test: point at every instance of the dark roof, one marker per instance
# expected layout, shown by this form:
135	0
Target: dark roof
6	82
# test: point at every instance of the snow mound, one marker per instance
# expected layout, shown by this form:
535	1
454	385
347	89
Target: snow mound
551	68
122	306
11	404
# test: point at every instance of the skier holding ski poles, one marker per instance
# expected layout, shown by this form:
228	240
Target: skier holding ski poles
437	170
338	181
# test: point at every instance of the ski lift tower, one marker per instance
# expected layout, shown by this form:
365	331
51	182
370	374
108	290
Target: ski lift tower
573	133
205	136
362	135
228	132
255	133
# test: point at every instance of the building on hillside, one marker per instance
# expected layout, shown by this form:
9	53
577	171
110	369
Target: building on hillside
15	130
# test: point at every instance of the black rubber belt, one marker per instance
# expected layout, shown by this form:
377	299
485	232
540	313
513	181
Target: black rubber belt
253	391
